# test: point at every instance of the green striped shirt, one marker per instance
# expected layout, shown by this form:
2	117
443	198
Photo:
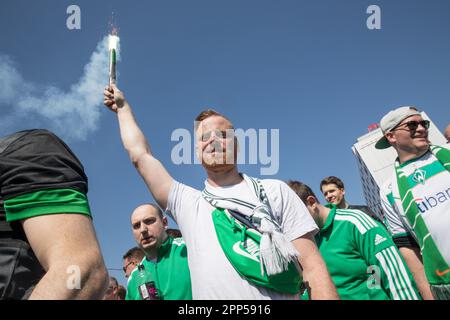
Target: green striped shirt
362	259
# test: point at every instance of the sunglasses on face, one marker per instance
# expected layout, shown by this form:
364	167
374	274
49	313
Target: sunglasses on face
413	125
220	134
127	265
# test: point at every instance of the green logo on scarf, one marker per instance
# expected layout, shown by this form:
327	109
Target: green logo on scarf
419	176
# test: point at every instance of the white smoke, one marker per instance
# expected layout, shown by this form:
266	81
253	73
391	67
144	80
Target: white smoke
72	114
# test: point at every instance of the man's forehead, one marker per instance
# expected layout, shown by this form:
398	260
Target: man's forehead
330	186
143	213
213	123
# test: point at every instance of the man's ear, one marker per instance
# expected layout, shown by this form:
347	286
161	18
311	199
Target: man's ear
390	137
311	201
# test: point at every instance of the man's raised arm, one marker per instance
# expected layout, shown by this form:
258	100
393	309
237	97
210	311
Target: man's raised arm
152	171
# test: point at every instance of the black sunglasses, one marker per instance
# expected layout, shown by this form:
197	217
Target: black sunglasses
126	266
413	125
220	134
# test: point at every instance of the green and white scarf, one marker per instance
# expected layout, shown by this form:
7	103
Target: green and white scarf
240	244
432	258
275	251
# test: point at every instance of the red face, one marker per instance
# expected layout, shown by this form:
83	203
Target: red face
112	291
216	143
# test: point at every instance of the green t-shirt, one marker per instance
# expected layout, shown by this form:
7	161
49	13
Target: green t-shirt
362	259
166	279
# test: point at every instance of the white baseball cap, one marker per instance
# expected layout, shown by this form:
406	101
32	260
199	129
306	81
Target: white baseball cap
391	120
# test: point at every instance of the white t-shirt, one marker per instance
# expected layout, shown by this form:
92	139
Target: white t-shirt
212	275
430	185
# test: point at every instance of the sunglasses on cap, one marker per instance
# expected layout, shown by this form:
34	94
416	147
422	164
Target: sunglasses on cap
413	125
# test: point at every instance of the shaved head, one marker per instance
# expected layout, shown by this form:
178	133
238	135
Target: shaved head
148	206
149	228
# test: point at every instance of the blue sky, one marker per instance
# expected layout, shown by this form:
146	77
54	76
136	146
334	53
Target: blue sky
311	69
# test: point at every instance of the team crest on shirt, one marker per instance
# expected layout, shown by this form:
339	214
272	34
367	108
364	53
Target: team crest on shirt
419	176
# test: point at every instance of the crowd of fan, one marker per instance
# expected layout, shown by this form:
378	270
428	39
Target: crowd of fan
242	237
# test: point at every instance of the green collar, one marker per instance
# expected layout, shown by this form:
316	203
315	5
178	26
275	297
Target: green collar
330	218
165	247
162	250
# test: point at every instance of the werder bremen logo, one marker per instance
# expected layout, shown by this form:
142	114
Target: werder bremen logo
419	176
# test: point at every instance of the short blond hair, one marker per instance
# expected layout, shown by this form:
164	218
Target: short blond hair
205	114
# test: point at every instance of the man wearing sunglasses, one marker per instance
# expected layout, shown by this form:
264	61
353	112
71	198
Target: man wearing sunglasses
416	200
112	293
243	234
131	259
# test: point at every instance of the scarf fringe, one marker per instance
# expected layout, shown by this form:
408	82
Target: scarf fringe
275	251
